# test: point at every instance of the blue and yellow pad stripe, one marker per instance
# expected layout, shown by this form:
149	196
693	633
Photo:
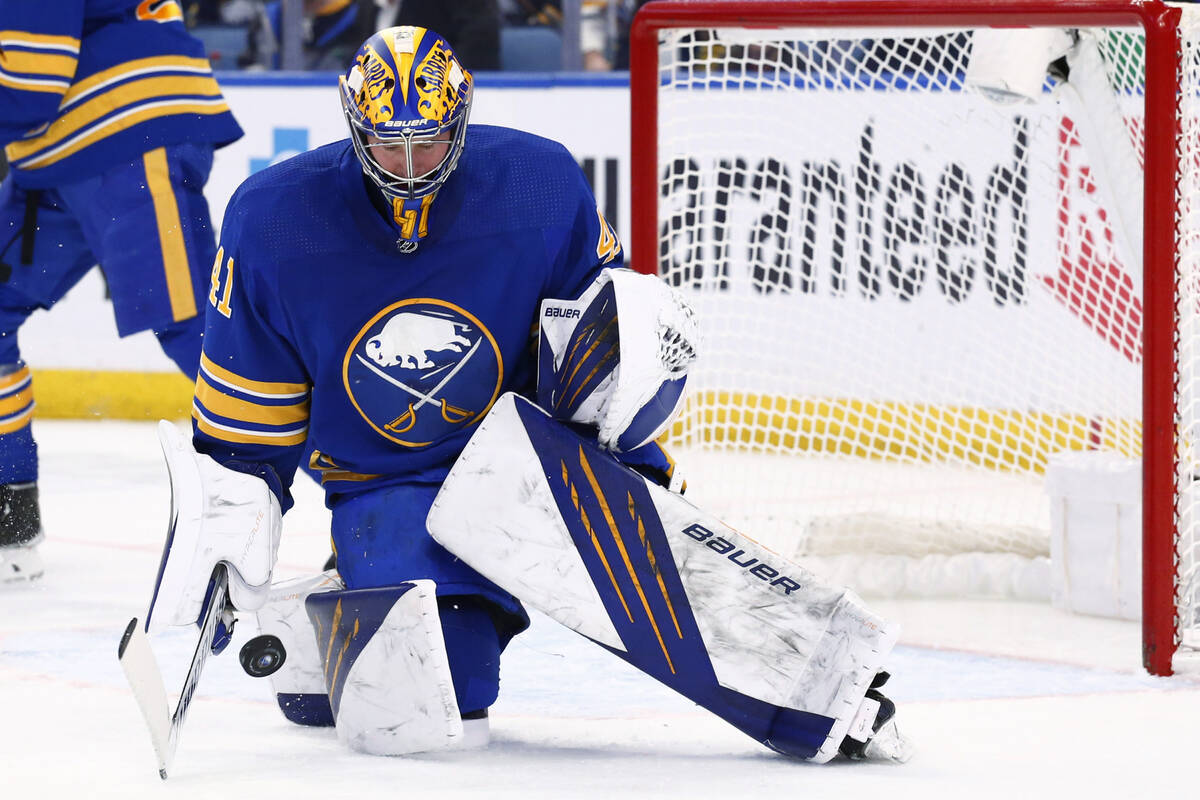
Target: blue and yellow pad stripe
562	525
612	520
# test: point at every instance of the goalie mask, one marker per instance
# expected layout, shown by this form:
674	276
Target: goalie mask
406	99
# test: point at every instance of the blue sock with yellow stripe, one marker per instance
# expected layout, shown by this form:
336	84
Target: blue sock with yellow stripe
18	451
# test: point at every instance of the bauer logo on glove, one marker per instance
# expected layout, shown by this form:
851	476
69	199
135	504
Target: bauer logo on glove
617	358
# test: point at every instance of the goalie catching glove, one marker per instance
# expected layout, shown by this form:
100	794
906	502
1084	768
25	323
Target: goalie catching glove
617	358
218	515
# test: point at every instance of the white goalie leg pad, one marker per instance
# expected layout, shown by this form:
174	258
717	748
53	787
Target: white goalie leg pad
397	696
640	390
217	515
770	629
285	617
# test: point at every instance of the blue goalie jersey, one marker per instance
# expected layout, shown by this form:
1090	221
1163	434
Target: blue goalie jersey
321	330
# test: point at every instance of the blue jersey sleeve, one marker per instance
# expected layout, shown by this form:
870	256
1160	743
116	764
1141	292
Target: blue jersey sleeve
39	53
587	247
251	407
89	84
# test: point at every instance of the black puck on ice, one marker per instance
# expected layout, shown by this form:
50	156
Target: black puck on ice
262	655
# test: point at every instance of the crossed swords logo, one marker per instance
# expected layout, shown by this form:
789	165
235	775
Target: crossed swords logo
408	419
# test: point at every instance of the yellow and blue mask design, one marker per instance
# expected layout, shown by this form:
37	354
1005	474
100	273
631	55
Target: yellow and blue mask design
422	369
374	99
406	89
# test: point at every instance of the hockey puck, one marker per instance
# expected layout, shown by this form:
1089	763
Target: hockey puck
262	656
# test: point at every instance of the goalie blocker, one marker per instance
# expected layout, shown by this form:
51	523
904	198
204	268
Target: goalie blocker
752	637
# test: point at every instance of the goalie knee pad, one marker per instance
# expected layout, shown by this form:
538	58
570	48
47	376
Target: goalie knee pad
386	669
286	651
289	652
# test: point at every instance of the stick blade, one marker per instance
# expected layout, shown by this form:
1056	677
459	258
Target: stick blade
145	680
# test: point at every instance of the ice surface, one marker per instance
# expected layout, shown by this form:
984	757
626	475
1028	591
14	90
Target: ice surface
1002	699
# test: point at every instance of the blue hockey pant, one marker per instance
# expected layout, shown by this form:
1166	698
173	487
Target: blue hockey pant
146	223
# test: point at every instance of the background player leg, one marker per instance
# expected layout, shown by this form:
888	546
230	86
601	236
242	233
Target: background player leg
20	517
182	342
147	223
43	257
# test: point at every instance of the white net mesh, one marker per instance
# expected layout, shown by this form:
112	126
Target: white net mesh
911	296
1187	358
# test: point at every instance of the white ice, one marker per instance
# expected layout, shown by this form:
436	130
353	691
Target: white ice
1002	699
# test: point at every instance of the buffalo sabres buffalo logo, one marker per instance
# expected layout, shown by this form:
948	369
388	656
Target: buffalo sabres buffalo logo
422	369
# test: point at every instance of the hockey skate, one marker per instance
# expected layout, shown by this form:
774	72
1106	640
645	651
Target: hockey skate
873	734
20	533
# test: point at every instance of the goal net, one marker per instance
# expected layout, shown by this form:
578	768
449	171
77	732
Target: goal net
922	270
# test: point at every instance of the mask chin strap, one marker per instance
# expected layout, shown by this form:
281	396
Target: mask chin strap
411	216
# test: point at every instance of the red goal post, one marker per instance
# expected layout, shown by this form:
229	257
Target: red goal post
1160	424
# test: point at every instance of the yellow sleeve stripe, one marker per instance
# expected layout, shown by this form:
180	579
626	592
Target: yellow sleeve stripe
14	403
116	125
43	64
44	41
268	391
135	94
15	380
131	69
245	411
229	433
33	84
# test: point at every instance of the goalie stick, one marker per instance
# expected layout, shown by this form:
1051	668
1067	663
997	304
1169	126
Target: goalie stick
145	678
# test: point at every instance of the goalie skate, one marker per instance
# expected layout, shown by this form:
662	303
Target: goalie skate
22	563
873	735
20	533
